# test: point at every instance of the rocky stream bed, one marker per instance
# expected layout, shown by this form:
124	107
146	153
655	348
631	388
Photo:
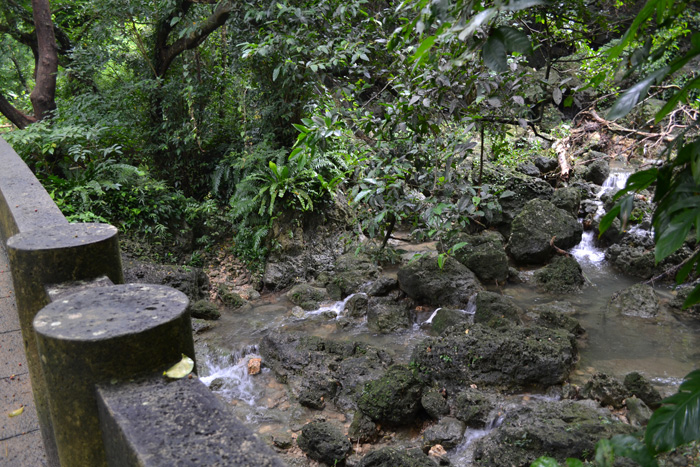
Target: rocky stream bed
513	349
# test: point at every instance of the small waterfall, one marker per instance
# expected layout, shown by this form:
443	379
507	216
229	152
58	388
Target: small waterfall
228	375
470	310
335	307
463	454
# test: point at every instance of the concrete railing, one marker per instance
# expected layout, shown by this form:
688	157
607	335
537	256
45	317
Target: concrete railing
97	348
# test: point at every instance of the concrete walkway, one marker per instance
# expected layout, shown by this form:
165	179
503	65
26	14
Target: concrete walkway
20	438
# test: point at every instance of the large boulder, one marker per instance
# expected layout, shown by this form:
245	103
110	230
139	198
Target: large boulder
446	317
452	285
307	296
509	358
484	254
474	407
191	281
448	433
324	442
640	301
640	387
351	273
605	389
518	191
597	172
394	399
495	310
637	261
386	315
562	275
559	429
568	199
392	457
533	229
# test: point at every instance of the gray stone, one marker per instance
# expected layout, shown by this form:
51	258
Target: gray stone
452	285
392	457
307	296
637	261
484	254
640	301
385	315
562	275
448	432
446	317
434	403
597	172
394	398
518	191
640	387
204	309
568	199
474	407
546	164
495	310
353	271
191	281
362	429
638	413
605	389
533	229
324	442
382	286
356	306
228	297
529	169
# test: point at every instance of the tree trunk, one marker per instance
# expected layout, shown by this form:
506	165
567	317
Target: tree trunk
43	96
15	116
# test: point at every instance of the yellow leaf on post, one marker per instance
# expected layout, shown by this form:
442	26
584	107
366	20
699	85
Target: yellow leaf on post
181	368
14	413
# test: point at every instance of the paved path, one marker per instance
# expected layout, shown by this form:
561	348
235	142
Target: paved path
20	439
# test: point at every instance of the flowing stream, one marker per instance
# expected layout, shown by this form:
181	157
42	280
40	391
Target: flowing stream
663	349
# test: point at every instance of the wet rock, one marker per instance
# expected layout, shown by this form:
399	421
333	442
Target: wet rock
534	227
282	439
307	296
394	398
451	286
637	261
434	403
605	389
529	169
356	306
484	254
385	315
382	286
392	457
559	429
612	235
474	407
638	413
545	164
448	433
518	191
204	309
560	306
568	199
597	172
562	275
494	310
550	316
191	281
363	429
640	387
508	358
352	271
446	317
640	301
316	389
324	442
228	297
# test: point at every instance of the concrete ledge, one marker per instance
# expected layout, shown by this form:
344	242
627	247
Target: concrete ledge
105	335
194	428
24	203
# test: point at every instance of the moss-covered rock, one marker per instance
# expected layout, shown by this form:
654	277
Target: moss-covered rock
307	296
392	457
204	309
495	310
484	254
394	398
324	442
562	275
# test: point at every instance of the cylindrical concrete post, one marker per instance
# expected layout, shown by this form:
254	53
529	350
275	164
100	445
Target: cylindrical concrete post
52	255
102	336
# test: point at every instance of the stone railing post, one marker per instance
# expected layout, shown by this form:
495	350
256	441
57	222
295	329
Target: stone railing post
54	255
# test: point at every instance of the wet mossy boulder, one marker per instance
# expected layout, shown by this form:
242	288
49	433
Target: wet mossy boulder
204	309
434	403
563	275
228	297
386	315
568	199
393	399
362	429
191	281
495	310
484	254
316	389
546	164
635	260
597	171
392	457
605	389
640	387
552	316
452	285
446	317
518	191
474	407
324	442
356	306
559	429
508	358
382	286
351	272
448	432
534	228
528	168
307	296
640	301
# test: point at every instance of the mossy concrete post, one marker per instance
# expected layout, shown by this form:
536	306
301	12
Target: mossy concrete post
53	255
105	335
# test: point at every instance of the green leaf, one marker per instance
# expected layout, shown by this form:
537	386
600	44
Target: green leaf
676	98
458	246
673	236
424	47
545	462
608	219
693	297
441	260
632	448
687	268
677	422
571	462
181	369
604	454
494	54
276	73
15	413
643	15
476	21
636	93
514	40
